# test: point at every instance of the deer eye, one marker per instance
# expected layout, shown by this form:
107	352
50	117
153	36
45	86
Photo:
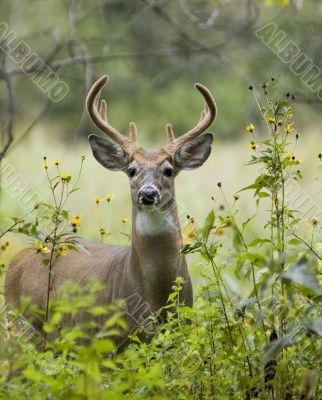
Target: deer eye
131	172
168	172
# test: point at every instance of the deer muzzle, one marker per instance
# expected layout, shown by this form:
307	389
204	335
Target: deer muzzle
149	196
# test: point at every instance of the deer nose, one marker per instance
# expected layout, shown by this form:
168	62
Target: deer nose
148	196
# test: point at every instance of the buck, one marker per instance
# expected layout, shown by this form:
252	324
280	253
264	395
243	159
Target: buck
146	269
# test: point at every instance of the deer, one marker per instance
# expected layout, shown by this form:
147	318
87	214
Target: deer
148	267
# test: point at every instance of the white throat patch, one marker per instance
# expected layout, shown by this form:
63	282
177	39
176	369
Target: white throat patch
151	221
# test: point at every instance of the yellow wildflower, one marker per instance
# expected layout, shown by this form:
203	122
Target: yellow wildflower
236	197
219	231
252	145
10	327
64	176
41	248
250	128
289	127
104	232
124	220
109	197
75	222
45	165
56	162
288	155
270	119
189	232
296	160
62	249
97	199
4	246
314	221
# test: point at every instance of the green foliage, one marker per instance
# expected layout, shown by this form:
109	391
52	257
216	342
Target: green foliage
263	342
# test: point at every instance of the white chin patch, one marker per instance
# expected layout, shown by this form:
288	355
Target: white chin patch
151	221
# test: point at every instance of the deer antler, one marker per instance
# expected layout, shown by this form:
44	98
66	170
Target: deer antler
99	117
207	117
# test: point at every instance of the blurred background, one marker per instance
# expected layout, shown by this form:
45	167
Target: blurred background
51	51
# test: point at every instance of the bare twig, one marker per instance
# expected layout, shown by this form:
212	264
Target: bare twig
10	110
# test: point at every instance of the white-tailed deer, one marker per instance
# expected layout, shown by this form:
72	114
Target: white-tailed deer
146	269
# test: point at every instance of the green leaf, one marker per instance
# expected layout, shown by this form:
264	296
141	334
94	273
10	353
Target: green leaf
34	230
294	242
48	206
74	190
98	310
56	184
259	241
237	241
273	349
249	187
115	320
103	345
316	326
172	296
64	214
280	107
302	274
109	364
262	181
208	225
263	194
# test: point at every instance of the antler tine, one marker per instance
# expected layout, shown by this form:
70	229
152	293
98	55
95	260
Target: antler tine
133	131
207	117
170	133
99	117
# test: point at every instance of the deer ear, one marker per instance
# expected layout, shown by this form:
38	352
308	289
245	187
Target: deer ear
109	154
194	153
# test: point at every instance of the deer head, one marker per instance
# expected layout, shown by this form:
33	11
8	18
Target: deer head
151	173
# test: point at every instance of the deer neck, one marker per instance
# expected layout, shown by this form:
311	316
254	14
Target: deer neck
156	244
